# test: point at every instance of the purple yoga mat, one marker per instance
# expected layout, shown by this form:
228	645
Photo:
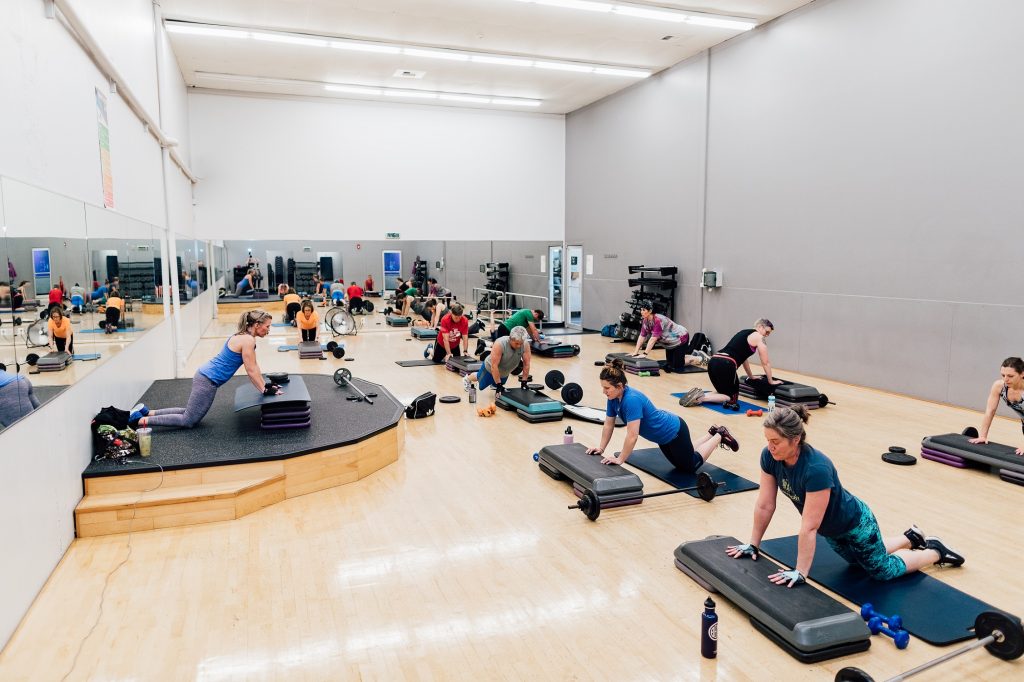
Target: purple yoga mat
300	425
949	460
944	455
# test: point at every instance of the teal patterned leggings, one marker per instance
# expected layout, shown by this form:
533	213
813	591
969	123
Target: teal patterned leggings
862	545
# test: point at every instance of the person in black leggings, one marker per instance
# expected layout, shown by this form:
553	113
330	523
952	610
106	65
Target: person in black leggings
1010	389
723	365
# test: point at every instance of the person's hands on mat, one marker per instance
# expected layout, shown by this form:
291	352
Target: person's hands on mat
983	440
271	389
775	382
499	388
595	451
793	577
744	550
611	459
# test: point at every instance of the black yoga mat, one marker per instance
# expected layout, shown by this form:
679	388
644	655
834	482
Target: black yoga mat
931	610
426	362
651	460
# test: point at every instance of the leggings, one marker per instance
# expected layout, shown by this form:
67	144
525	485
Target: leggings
863	545
113	316
308	334
680	451
439	351
722	372
676	357
199	402
62	343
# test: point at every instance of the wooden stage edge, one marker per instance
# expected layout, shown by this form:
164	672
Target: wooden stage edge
239	307
122	504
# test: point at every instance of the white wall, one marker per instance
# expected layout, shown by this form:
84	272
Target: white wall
335	169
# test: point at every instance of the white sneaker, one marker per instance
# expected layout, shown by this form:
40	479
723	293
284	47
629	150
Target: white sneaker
704	357
467	384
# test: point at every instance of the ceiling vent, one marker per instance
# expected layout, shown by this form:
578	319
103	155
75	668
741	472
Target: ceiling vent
409	73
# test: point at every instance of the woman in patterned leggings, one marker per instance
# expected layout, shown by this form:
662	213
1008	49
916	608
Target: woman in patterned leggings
1010	389
809	479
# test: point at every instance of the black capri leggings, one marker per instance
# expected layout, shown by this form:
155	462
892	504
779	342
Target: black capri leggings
113	315
62	344
679	451
308	334
722	372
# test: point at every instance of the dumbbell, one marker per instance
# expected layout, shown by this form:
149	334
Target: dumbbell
335	349
571	393
755	413
901	638
867	612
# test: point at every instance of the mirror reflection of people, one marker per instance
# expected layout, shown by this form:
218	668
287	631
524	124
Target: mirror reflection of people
368	283
355	296
292	305
308	321
16	397
114	311
18	295
246	283
62	336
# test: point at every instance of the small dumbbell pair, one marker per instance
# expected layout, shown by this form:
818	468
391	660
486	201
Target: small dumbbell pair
755	413
890	626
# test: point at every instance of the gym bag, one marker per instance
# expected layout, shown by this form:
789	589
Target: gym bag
422	406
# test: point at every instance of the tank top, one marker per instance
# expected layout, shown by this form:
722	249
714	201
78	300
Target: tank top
222	366
738	349
1017	407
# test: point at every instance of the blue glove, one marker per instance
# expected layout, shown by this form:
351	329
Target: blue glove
788	578
747	550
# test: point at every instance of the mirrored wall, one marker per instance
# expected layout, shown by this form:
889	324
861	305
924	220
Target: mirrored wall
82	283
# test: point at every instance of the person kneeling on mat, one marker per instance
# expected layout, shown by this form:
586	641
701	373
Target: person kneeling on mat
523	317
673	336
506	354
114	311
430	311
238	350
307	321
642	418
1010	389
809	479
451	333
292	305
62	336
723	364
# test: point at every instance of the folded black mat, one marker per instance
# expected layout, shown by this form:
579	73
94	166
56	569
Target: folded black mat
568	332
651	461
425	362
931	610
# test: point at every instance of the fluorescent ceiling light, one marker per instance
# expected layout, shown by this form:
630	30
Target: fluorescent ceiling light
565	66
436	54
628	73
650	12
516	102
354	89
417	94
503	61
289	39
473	99
212	31
365	47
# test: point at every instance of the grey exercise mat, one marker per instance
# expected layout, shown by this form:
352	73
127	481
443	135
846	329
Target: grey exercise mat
425	362
294	391
653	462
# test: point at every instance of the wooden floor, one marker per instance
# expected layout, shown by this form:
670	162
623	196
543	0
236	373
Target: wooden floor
461	561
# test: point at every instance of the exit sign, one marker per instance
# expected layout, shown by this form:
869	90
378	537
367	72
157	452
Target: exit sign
391	235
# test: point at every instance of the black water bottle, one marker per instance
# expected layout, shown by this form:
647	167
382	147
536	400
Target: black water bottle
709	630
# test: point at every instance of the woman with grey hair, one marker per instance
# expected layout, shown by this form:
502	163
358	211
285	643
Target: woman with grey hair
809	479
723	365
506	354
238	350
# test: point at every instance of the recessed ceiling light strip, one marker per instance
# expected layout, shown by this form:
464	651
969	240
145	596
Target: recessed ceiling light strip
678	16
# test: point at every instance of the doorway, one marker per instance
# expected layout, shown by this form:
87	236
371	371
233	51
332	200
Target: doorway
555	284
574	287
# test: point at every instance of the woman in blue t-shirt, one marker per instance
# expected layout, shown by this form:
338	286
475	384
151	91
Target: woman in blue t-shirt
238	350
642	418
809	479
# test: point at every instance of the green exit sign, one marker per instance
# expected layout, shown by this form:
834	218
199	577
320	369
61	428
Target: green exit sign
391	235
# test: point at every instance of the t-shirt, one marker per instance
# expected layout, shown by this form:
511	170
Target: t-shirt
670	333
453	330
510	357
812	472
521	318
62	330
355	291
56	295
291	298
310	322
657	426
116	302
368	284
337	286
412	291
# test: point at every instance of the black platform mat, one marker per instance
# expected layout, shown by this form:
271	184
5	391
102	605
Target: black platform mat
567	332
931	609
425	362
227	437
231	298
653	462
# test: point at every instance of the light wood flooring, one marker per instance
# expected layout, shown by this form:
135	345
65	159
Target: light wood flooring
461	561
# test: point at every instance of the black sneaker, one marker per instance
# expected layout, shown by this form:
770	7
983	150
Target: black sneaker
728	440
947	557
731	406
713	431
916	537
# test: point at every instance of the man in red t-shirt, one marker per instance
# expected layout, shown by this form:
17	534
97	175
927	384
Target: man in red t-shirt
56	295
368	284
355	297
453	331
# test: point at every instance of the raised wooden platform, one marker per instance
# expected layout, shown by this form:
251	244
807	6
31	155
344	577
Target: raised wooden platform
182	497
235	307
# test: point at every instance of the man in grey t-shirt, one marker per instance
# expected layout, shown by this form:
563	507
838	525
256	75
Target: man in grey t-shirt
506	353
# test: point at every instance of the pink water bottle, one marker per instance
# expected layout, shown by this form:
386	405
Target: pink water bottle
567	438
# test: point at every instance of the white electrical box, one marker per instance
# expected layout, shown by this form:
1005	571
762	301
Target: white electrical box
710	279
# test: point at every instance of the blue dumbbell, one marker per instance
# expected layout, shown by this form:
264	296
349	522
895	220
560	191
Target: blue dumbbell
901	638
536	457
867	612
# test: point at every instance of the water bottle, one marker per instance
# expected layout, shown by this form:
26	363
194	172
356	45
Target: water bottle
709	630
771	404
472	393
567	438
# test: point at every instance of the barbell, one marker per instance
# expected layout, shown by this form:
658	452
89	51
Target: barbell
590	504
343	377
571	393
1000	633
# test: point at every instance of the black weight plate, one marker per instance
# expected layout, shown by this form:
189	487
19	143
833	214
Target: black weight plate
822	400
554	380
853	675
1012	645
970	432
572	394
331	345
353	359
897	448
590	505
3	367
599	363
31	359
900	458
338	352
371	395
449	399
535	387
278	377
342	377
706	487
368	306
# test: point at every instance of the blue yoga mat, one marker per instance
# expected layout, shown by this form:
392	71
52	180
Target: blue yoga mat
717	407
281	324
86	356
281	349
931	610
127	330
651	461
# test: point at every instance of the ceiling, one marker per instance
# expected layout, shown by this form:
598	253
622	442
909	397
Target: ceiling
445	52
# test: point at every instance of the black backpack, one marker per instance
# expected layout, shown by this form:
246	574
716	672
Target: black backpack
422	406
109	416
700	341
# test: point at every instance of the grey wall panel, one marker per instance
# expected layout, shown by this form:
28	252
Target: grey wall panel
727	311
524	259
983	336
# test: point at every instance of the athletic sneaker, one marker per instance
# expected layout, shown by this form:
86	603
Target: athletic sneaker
728	440
703	357
731	406
138	412
916	537
947	557
692	397
467	383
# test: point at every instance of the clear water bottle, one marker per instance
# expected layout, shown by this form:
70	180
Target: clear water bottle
771	403
567	438
709	630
